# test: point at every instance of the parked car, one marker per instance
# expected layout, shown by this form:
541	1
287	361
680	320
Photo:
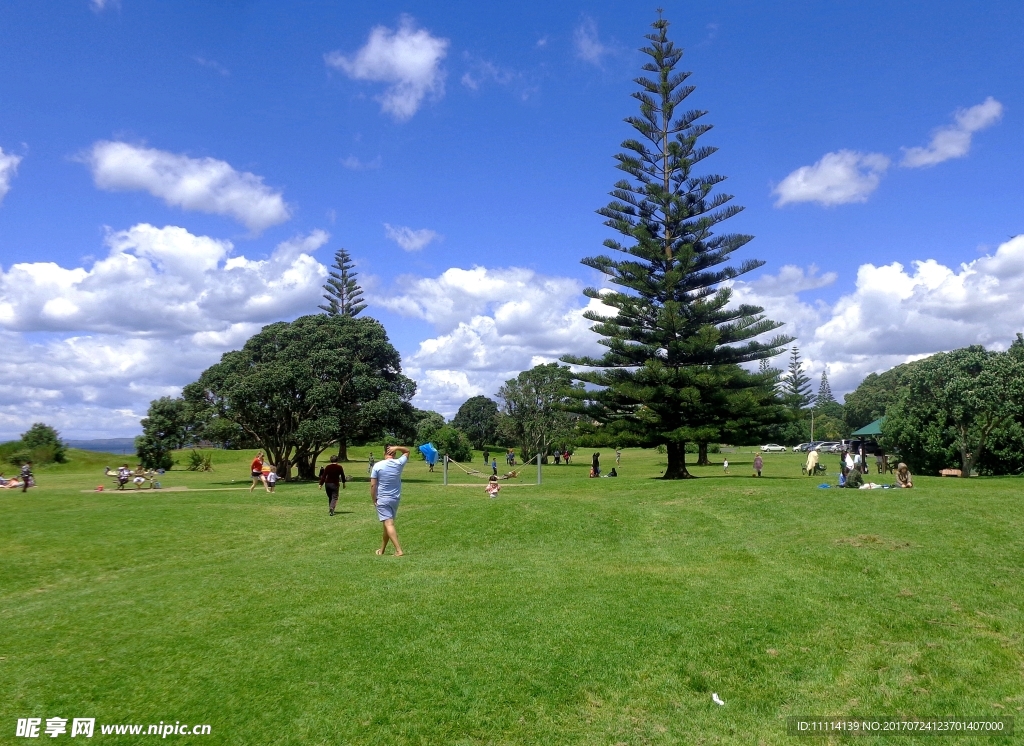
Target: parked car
773	448
802	448
829	446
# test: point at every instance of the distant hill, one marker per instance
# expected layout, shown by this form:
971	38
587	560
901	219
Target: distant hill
124	446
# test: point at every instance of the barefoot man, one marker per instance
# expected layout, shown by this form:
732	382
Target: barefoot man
386	491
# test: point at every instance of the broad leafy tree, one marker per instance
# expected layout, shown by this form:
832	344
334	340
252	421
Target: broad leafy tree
297	388
676	342
452	442
875	394
534	414
343	295
43	444
954	405
478	419
429	422
165	428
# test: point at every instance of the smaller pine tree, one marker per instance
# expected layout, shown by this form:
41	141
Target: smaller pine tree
344	296
824	390
796	387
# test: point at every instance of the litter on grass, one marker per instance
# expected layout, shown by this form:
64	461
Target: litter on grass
716	699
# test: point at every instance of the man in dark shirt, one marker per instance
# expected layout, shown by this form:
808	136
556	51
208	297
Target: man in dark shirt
332	475
26	475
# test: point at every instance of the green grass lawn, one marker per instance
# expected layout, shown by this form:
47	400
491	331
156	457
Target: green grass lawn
576	612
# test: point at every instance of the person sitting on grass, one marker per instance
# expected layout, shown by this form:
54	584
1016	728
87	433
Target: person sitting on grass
903	478
492	488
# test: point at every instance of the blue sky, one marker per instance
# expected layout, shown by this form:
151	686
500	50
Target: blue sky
494	150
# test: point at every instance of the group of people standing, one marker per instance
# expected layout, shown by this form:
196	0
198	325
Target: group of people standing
385	490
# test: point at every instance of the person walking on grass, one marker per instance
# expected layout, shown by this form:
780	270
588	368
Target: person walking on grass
758	464
386	493
256	470
618	456
331	478
492	488
725	465
26	475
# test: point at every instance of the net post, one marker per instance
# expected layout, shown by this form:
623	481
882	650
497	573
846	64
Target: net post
445	470
538	467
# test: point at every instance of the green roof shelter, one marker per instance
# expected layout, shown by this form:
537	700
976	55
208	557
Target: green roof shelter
871	429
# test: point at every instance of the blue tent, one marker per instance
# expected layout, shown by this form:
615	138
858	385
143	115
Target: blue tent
429	453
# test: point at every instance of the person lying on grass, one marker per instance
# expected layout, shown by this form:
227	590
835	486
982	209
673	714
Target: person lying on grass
386	493
903	478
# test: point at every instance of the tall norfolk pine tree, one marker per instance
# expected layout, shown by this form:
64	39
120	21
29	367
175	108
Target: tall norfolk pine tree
796	387
672	374
344	296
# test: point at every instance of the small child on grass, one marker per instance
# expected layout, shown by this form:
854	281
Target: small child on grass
272	478
493	488
725	466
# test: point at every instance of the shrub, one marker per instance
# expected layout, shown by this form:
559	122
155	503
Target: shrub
199	461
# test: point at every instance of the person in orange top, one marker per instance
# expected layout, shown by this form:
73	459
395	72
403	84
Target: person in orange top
331	477
257	472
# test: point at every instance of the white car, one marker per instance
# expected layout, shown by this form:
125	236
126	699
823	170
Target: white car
772	447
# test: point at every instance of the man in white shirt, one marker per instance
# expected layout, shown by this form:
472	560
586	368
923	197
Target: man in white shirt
386	492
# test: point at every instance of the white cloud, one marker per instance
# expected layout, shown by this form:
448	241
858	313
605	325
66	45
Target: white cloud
894	314
836	179
138	324
491	324
98	6
954	141
354	164
408	238
588	45
202	184
408	58
213	65
482	71
8	170
162	281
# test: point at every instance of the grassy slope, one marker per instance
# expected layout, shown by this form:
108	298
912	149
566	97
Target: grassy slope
579	612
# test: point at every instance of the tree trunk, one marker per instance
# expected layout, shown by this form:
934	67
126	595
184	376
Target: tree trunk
676	468
342	448
702	455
